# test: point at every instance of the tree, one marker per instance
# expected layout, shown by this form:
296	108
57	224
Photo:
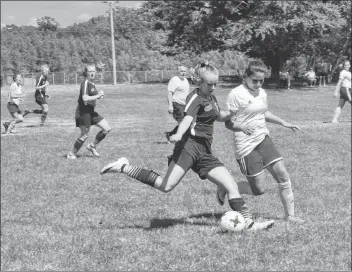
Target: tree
47	23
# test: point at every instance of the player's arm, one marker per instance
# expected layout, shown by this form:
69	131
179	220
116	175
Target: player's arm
338	87
238	127
170	92
223	116
87	98
272	118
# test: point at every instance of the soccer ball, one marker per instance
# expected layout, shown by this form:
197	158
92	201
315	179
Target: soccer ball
232	221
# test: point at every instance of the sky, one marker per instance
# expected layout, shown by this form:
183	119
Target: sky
64	12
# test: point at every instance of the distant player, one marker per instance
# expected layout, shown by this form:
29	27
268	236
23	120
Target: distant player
15	97
177	91
285	79
322	71
41	96
86	116
310	77
344	88
254	149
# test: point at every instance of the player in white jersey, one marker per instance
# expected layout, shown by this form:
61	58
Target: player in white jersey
254	149
15	97
177	91
344	88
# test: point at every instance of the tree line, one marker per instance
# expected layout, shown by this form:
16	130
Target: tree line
163	34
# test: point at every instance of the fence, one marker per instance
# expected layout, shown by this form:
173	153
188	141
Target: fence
106	77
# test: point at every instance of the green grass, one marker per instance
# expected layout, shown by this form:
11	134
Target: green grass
58	214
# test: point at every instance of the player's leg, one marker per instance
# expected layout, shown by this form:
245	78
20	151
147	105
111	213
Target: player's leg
280	174
83	122
338	110
222	178
45	110
17	118
178	115
173	176
105	129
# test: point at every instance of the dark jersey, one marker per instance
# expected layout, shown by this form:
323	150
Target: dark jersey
205	111
40	81
87	88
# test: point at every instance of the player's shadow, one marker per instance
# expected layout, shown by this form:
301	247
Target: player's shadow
162	142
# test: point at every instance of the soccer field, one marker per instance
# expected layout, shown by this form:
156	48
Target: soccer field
60	214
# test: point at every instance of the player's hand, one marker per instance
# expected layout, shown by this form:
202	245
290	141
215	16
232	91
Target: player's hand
101	93
291	126
248	129
175	138
48	96
336	94
170	110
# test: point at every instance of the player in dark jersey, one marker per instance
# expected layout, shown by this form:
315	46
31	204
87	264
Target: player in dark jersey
86	116
41	96
193	148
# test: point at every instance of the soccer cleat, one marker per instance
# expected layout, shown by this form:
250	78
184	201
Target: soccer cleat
26	112
296	220
71	156
6	126
114	167
93	150
220	197
255	226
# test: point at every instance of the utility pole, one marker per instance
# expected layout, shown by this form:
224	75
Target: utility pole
112	39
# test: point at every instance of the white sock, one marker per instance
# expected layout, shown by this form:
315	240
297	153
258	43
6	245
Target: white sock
286	196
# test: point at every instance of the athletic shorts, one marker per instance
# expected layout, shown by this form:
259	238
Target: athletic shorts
322	74
86	117
13	108
40	100
178	113
344	94
193	153
263	155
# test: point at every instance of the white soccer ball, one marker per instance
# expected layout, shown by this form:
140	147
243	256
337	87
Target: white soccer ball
232	221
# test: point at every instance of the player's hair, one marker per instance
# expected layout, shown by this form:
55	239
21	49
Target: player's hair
202	70
15	76
85	72
255	66
44	67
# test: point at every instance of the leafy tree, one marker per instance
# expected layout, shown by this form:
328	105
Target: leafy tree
47	23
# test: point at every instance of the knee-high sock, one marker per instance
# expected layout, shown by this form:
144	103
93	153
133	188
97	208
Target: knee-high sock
38	111
43	117
238	205
99	137
145	176
172	132
77	145
286	196
11	126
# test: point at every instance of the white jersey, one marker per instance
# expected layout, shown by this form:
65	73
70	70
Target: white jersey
179	89
346	77
15	90
248	110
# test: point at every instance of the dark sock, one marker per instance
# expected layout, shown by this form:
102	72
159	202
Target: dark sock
172	132
38	111
99	137
77	146
43	117
238	205
145	176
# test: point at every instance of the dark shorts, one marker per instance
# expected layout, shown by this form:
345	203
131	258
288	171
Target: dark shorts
193	153
178	113
322	74
13	108
344	94
40	100
263	155
86	117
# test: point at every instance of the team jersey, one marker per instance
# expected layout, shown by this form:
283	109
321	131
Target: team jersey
87	88
15	90
310	75
40	81
346	77
179	89
247	110
204	112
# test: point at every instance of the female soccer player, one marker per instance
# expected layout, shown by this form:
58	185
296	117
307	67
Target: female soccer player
344	88
41	96
254	149
193	149
87	116
14	99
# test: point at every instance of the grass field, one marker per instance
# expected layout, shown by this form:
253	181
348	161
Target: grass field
59	214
